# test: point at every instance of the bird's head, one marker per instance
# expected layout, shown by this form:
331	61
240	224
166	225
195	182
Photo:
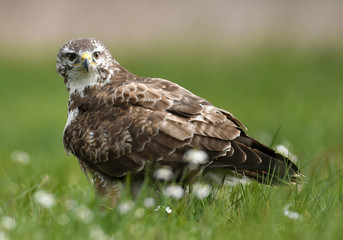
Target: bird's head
84	62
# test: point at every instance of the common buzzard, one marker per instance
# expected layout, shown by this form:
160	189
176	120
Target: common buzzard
119	122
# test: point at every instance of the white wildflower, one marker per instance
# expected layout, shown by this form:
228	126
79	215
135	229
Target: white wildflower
84	214
139	212
195	158
4	236
164	174
284	151
291	214
96	233
125	207
158	208
63	219
233	181
168	210
45	199
174	191
20	157
201	190
149	202
8	223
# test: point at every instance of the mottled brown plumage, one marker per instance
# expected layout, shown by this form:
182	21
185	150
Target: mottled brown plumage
119	122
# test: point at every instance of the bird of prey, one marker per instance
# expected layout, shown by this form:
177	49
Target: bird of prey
120	123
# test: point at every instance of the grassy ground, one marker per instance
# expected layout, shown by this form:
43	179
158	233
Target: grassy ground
297	91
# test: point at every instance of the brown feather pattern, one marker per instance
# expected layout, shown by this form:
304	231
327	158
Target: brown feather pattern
124	121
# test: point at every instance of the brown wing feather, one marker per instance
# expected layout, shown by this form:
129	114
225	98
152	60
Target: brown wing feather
127	123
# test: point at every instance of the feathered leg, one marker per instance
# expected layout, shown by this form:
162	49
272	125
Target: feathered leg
106	189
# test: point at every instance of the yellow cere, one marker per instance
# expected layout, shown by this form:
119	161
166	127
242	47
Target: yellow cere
86	55
83	57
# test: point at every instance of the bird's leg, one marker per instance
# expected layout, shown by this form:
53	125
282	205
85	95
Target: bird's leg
107	190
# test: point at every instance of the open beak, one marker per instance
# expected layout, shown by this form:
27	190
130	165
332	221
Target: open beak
86	60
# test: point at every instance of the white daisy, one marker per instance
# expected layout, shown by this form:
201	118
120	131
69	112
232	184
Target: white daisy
291	214
20	157
164	174
168	210
195	158
96	233
149	202
158	208
174	191
84	214
4	236
125	207
45	199
8	223
201	190
284	151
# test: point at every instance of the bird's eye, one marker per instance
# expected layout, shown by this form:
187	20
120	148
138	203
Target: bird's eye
71	57
96	55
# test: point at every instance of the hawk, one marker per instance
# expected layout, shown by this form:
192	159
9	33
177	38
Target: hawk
120	123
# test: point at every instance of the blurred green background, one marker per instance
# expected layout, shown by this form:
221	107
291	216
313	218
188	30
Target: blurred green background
263	62
269	88
277	66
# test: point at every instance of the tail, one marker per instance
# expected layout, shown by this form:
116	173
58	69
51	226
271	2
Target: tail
256	161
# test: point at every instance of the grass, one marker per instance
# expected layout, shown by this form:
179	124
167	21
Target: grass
297	91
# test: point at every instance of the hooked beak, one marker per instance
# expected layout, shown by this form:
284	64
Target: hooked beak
86	60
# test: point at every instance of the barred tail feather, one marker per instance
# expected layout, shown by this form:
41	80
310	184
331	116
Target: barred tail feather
261	163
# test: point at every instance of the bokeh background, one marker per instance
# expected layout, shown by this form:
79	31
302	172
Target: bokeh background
277	65
37	23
